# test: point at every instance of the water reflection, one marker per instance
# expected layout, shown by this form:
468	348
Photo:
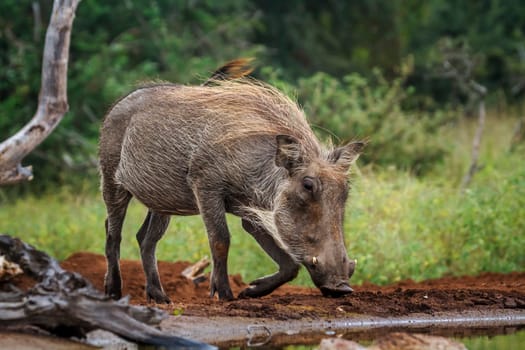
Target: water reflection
515	341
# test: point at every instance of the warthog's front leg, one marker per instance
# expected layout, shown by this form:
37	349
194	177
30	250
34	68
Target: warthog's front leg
288	268
211	206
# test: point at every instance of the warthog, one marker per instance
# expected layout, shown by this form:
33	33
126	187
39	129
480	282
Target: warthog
232	145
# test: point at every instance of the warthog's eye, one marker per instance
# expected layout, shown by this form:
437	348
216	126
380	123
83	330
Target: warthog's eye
308	184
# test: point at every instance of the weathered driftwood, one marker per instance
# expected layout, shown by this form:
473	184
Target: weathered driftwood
52	102
65	303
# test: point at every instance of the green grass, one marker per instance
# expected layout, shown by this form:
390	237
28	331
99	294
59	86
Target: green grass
397	226
401	227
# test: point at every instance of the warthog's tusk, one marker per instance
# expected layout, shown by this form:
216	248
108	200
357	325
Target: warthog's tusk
314	260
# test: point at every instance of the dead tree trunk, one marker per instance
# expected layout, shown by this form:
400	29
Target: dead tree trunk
52	103
458	65
66	304
476	145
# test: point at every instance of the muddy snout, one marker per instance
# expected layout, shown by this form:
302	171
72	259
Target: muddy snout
332	281
342	287
336	290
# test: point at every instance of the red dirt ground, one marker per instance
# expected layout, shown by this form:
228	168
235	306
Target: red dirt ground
488	291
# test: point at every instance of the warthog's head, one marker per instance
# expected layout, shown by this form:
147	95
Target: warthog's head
309	211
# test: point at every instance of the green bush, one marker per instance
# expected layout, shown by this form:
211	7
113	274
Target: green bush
402	227
355	107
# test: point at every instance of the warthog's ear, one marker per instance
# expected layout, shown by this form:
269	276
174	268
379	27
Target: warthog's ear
346	155
289	153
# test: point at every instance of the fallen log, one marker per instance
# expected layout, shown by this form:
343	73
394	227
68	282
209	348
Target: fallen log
66	304
195	272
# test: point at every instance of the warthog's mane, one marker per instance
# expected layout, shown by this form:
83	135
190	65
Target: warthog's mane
258	109
252	108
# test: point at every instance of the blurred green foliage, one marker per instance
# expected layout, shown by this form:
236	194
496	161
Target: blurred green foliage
360	68
342	37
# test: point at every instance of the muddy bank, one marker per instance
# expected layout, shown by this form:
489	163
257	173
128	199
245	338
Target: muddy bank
482	293
491	303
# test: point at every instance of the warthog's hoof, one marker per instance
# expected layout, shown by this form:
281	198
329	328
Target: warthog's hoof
157	295
113	292
224	293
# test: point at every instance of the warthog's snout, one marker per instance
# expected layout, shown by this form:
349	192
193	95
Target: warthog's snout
338	290
331	277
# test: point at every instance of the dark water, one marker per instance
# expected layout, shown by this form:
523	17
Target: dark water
509	338
486	338
487	330
494	330
514	339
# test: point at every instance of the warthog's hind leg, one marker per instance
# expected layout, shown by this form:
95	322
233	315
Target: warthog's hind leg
150	233
117	200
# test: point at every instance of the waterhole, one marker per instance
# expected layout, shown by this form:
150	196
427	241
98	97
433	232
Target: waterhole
496	330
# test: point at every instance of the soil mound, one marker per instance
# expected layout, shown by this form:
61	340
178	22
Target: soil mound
488	291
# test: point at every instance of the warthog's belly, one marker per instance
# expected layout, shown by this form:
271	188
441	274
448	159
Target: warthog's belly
163	191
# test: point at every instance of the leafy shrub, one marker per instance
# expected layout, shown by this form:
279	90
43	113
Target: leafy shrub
355	107
399	226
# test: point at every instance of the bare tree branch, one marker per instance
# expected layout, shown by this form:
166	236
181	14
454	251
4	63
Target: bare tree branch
458	65
476	144
52	103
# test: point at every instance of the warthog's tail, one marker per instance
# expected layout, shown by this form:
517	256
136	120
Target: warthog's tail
232	70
